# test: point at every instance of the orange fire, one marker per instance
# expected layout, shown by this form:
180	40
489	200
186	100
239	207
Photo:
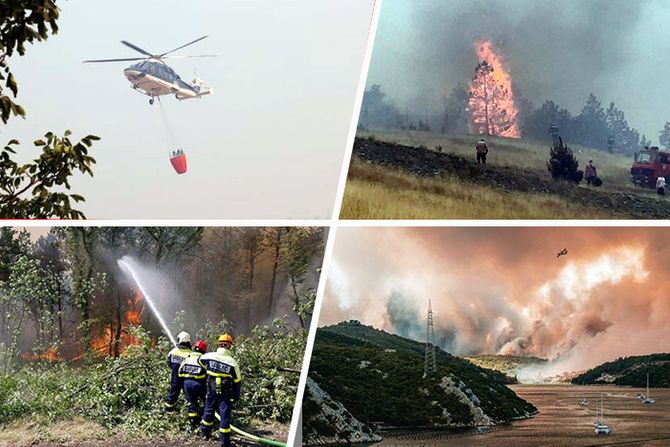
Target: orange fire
491	105
50	355
132	317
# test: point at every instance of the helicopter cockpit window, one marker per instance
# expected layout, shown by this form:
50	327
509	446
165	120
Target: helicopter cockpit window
663	158
161	71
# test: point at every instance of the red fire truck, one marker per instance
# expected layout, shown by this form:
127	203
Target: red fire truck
650	164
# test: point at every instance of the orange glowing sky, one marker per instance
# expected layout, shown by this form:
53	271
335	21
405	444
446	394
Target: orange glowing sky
503	290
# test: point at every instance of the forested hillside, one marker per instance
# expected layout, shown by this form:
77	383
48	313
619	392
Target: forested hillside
631	371
378	377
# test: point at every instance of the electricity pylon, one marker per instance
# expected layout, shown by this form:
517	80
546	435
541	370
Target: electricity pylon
430	365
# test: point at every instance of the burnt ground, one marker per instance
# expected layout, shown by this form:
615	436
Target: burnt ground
117	443
426	163
83	433
213	443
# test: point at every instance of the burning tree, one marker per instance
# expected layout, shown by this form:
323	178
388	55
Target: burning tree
491	101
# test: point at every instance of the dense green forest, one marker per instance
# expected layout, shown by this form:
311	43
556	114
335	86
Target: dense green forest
78	339
630	371
378	377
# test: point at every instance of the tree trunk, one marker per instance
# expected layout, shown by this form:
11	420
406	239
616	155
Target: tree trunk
486	106
296	300
117	335
252	264
275	266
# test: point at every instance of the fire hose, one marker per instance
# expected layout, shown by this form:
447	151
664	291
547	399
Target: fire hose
254	438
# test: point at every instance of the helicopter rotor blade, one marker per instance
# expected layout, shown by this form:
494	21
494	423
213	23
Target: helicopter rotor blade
115	60
186	57
136	48
185	45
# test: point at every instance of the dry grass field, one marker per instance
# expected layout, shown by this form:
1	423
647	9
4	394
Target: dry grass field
377	191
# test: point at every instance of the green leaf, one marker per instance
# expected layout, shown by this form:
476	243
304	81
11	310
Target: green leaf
11	84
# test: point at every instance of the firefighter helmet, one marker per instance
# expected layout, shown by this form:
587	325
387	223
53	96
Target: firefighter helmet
225	339
201	346
183	337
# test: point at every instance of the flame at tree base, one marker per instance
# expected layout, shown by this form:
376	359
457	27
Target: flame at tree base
104	343
50	355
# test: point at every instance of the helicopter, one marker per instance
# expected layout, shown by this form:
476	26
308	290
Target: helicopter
154	78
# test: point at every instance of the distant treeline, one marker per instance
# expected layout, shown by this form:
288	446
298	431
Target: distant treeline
631	371
592	127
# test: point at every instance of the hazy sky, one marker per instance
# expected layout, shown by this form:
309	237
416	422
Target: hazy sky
503	290
268	144
562	51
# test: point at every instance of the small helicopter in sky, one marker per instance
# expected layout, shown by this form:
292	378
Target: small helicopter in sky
154	78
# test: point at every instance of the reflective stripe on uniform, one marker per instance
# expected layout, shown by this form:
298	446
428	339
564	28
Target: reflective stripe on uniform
191	376
169	405
238	380
224	430
207	424
215	374
193	415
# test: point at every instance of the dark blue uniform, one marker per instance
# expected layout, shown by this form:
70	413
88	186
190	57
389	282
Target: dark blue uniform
195	386
174	360
223	390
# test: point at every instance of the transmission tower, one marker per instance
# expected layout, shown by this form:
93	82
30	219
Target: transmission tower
430	364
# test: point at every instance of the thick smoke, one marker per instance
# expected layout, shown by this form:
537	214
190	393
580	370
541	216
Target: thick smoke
561	51
504	291
403	316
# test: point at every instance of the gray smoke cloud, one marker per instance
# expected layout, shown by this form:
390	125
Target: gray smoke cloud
504	291
554	50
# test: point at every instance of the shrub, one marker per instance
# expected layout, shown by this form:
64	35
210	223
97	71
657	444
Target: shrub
127	393
563	164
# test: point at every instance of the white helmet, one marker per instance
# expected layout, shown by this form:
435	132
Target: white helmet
183	337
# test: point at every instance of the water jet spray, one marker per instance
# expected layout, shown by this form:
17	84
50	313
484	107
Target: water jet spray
126	266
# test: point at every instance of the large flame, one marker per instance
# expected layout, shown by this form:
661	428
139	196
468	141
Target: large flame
132	317
500	97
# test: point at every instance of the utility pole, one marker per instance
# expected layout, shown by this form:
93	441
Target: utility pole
430	365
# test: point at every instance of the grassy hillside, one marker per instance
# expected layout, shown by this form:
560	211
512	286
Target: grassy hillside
631	371
379	192
614	169
378	377
422	175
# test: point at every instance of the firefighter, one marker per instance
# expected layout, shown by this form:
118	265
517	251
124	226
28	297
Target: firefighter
590	173
195	382
174	359
482	150
660	186
553	131
223	388
610	143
